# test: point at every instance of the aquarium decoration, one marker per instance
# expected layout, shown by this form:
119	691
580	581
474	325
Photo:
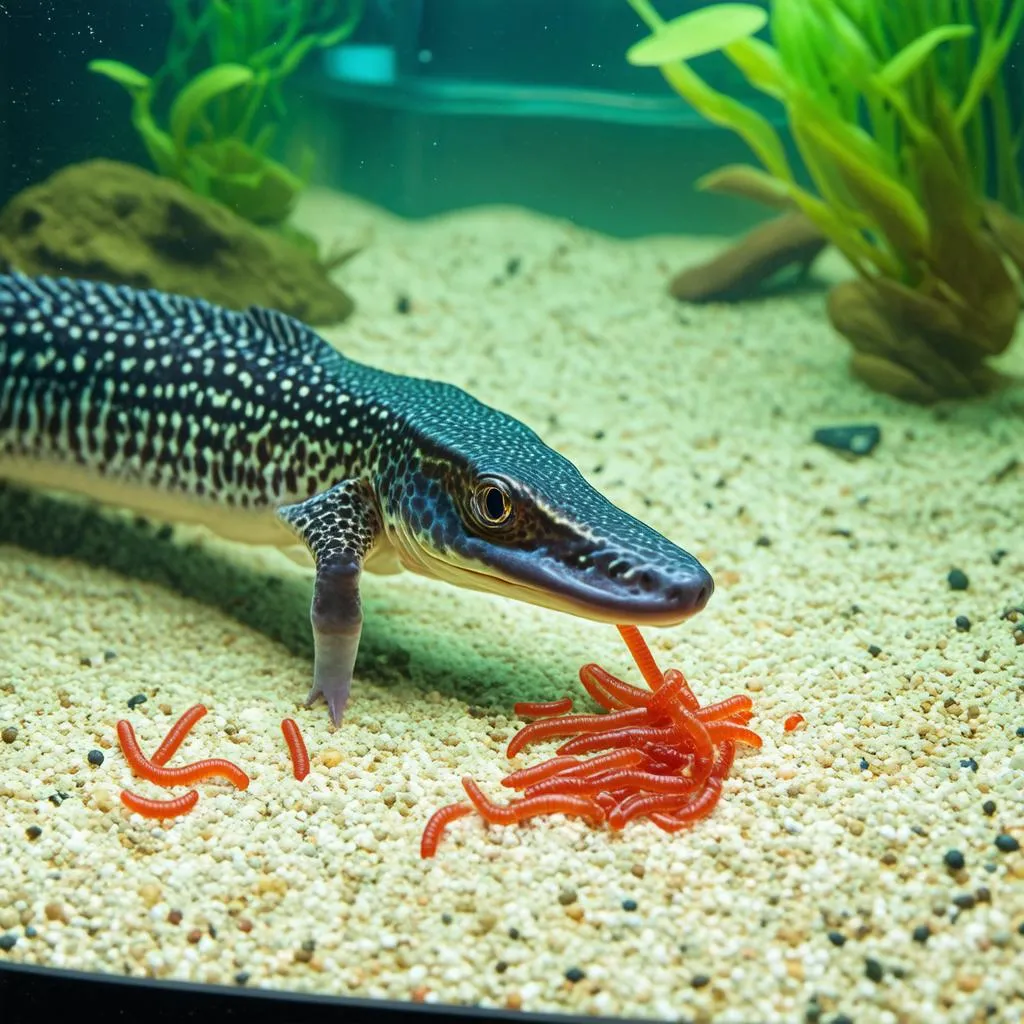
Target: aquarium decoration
225	65
902	121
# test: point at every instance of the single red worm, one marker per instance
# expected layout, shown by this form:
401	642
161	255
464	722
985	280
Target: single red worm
539	708
519	810
150	808
297	748
185	776
439	821
176	736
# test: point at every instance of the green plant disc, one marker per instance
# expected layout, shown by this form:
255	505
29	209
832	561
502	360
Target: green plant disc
699	32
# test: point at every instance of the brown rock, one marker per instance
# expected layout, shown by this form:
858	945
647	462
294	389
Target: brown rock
115	222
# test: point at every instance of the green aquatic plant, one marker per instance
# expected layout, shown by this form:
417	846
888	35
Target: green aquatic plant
900	115
220	85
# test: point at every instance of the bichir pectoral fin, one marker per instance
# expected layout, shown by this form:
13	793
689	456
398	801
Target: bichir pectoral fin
340	527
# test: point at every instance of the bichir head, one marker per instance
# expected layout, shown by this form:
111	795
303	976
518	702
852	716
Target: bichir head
475	497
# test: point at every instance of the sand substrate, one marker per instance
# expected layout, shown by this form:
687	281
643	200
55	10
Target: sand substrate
820	887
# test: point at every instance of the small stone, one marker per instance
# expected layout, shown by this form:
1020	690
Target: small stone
837	938
95	757
957	579
149	893
638	870
402	304
567	896
763	542
864	766
501	966
134	702
194	936
55	912
967	982
574	974
33	832
241	977
965	901
954	860
330	758
7	942
629	905
873	969
855	440
989	808
9	734
174	917
969	762
1006	843
700	980
874	650
963	624
921	933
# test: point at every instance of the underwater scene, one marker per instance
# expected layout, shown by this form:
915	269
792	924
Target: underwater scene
514	510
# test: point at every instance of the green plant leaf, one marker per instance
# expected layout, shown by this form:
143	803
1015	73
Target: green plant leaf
702	31
912	56
132	80
207	85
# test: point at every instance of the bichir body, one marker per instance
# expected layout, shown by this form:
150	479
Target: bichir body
253	425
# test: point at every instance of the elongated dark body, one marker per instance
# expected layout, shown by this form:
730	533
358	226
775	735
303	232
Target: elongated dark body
253	425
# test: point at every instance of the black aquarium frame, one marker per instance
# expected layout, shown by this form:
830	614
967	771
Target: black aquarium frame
29	992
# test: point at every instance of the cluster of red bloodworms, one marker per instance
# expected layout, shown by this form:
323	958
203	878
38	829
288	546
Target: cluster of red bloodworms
658	754
153	768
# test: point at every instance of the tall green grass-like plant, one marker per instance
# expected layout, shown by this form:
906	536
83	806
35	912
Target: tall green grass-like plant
220	93
900	115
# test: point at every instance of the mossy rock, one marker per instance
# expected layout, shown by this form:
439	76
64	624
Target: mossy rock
115	222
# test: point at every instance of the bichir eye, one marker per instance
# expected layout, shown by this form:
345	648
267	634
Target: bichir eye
491	503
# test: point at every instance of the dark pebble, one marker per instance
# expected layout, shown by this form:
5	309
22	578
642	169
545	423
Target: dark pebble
110	655
402	304
574	974
57	798
9	734
501	966
864	766
874	650
969	762
446	918
922	933
1006	843
872	969
309	945
513	265
700	980
7	942
957	579
95	757
954	860
837	938
963	624
841	1018
998	555
165	533
629	905
33	832
567	896
513	934
30	932
134	702
1020	928
965	901
241	977
763	541
1020	731
989	807
983	894
857	440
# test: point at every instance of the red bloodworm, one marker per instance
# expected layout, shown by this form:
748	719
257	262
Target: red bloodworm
583	769
181	728
792	722
599	694
613	780
542	708
724	756
740	717
727	708
531	807
669	757
688	725
642	656
439	821
638	804
626	693
606	801
719	731
570	724
536	772
636	736
185	776
675	691
149	808
693	812
296	747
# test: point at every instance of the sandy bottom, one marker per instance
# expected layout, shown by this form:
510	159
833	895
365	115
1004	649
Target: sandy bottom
800	896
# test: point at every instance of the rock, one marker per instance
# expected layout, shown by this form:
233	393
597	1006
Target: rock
115	222
857	440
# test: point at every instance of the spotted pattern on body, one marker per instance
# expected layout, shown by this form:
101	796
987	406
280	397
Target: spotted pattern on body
253	424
